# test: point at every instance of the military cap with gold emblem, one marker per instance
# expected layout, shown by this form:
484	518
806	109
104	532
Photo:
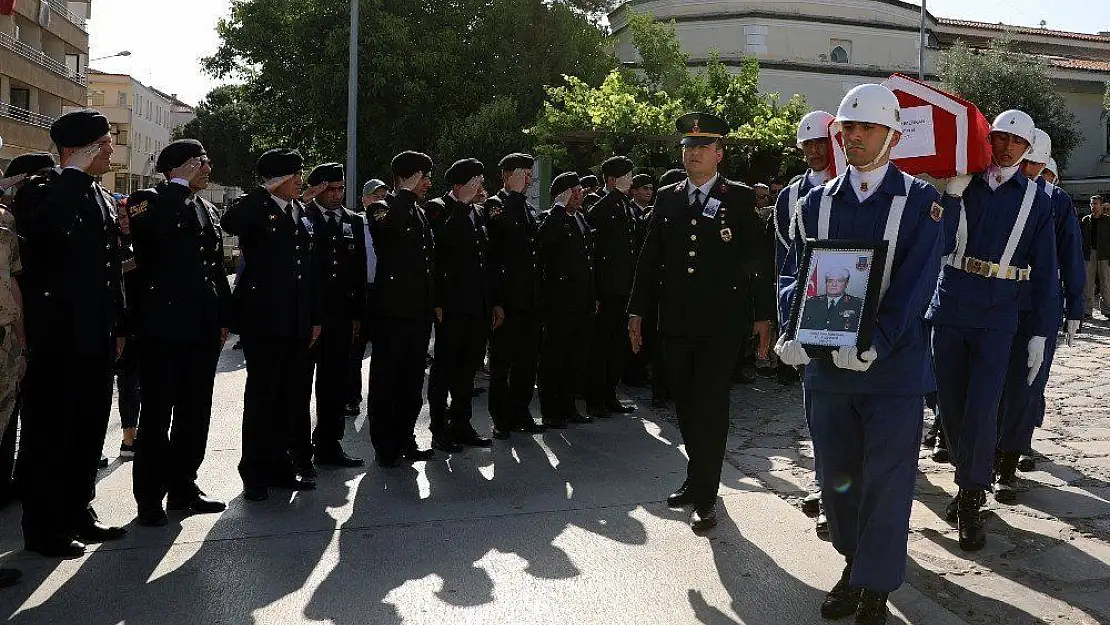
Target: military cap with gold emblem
701	128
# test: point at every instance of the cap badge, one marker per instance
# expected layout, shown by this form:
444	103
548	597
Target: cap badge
697	126
863	186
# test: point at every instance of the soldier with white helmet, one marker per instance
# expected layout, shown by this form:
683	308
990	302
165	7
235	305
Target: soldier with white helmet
1002	263
1051	172
866	405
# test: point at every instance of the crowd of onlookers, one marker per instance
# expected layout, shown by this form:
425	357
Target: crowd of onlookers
1096	251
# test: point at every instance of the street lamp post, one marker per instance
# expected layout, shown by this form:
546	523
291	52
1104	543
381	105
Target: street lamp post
111	56
352	109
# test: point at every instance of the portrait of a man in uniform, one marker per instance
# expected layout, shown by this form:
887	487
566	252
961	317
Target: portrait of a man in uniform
834	310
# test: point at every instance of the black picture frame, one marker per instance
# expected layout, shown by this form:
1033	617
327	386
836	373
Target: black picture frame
846	325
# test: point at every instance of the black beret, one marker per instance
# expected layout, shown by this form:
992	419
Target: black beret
590	180
325	172
176	153
701	128
462	171
672	176
562	182
616	167
79	128
29	163
642	180
408	163
279	162
517	161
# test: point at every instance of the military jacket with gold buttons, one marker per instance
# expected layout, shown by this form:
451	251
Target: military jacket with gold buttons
513	251
275	295
72	281
340	264
705	266
463	274
405	248
566	263
615	236
184	293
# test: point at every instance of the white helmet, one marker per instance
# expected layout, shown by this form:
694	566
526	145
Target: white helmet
814	125
871	104
1051	166
1041	149
1015	122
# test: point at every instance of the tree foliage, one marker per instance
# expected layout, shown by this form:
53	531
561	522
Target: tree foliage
452	78
633	112
226	124
998	79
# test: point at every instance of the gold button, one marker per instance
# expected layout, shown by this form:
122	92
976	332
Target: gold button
693	237
693	253
689	270
694	222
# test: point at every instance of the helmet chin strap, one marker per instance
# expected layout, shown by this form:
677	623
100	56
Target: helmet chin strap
882	152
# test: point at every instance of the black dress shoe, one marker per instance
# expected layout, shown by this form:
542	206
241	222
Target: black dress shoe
554	424
872	608
97	532
294	482
414	454
445	445
1005	482
703	518
822	527
680	498
352	410
972	535
951	509
338	458
596	411
472	439
658	403
842	600
616	407
386	462
811	505
10	577
103	463
577	417
198	503
56	547
155	517
498	433
531	427
306	470
1027	462
256	493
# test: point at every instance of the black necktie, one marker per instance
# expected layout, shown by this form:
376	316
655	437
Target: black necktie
697	198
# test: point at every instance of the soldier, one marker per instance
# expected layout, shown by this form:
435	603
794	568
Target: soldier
373	191
340	283
567	275
403	311
1051	172
866	404
835	311
1000	235
277	318
515	344
642	193
73	307
466	309
1022	405
614	249
762	200
182	320
702	267
589	186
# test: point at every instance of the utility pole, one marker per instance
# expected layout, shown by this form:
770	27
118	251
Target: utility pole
352	110
921	58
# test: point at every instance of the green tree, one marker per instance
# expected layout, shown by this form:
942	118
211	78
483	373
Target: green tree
998	79
225	124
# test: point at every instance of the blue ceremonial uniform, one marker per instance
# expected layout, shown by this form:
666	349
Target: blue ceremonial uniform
866	426
1023	405
998	240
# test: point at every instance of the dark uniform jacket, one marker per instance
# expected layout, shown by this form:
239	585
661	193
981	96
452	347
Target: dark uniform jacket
615	234
340	265
72	280
274	295
566	263
843	317
513	253
463	284
403	242
708	271
1096	237
183	292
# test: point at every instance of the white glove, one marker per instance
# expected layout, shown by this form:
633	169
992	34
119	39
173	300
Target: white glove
791	353
1036	358
846	358
957	185
1072	330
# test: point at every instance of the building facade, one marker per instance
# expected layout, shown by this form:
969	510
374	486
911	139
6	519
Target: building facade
820	49
44	50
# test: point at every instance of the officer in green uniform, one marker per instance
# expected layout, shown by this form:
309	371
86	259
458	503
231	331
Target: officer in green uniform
835	311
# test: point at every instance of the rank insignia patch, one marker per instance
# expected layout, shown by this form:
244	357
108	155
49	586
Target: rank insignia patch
139	208
936	212
380	214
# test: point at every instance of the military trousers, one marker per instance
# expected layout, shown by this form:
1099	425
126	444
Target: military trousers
970	365
565	340
609	349
332	358
699	370
397	364
867	447
460	348
514	356
176	396
1022	407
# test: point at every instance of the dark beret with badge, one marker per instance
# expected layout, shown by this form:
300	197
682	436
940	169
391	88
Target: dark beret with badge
617	166
565	181
79	128
673	176
325	172
29	163
177	153
463	171
517	161
407	164
280	162
642	180
589	180
701	128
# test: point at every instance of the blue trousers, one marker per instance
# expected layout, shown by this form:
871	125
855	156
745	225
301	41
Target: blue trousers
1022	408
866	447
970	365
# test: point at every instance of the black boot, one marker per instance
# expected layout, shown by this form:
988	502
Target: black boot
1028	462
842	600
972	535
872	608
930	439
940	450
951	511
1005	481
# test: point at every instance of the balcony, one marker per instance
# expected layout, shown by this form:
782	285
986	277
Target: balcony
60	7
69	27
41	58
23	130
11	111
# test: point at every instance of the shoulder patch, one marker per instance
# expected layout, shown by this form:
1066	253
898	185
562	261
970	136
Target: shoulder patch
936	212
381	214
138	209
494	211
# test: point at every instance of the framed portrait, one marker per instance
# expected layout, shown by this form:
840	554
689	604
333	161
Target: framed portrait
837	295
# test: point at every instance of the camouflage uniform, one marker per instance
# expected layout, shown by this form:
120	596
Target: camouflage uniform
12	362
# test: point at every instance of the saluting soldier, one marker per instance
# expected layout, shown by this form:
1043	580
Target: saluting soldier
73	303
340	284
570	301
276	315
466	308
182	321
405	247
515	344
702	265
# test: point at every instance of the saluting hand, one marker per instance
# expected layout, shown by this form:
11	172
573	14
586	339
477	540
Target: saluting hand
311	192
515	181
412	181
83	158
624	183
187	170
7	183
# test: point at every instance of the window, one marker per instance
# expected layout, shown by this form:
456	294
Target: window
121	183
138	140
840	51
21	98
96	98
119	134
755	39
121	99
